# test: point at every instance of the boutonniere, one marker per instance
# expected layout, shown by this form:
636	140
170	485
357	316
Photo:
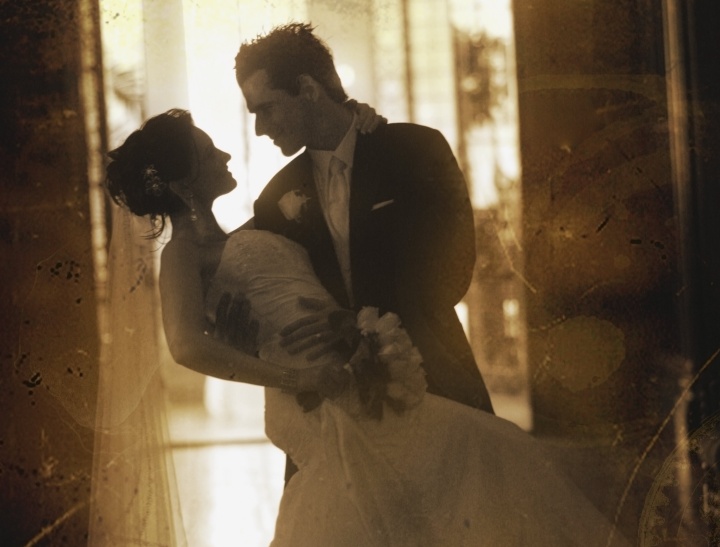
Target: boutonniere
293	204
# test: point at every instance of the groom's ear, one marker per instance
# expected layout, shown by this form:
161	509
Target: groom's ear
309	88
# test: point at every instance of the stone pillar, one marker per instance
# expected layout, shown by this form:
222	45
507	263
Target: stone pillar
600	236
619	110
49	333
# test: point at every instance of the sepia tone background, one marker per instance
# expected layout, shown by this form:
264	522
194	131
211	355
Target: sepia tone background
595	312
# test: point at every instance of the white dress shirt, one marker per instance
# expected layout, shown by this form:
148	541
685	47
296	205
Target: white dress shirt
334	195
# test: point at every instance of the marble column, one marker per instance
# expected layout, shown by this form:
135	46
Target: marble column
49	335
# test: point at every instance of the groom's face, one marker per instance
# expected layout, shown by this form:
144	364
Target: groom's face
279	115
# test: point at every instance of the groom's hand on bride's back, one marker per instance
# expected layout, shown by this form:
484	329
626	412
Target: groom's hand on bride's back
234	324
321	330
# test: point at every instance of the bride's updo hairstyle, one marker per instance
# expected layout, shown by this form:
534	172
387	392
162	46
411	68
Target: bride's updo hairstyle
160	152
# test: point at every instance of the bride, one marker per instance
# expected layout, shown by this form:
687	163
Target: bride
381	462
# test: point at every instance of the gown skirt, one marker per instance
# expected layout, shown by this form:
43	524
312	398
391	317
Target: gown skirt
437	474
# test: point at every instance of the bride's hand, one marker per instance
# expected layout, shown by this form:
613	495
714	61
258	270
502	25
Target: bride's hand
368	119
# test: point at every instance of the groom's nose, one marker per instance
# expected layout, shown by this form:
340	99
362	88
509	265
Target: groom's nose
260	126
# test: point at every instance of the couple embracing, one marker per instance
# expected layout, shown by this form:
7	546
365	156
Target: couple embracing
357	253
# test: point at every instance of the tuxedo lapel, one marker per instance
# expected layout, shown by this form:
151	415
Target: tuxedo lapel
312	232
364	183
309	229
315	229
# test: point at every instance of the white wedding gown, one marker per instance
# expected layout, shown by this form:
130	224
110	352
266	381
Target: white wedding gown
440	474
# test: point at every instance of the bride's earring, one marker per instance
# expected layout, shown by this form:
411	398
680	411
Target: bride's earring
193	212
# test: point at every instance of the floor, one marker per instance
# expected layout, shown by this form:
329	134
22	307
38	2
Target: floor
229	476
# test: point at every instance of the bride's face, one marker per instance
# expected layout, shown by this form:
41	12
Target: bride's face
211	175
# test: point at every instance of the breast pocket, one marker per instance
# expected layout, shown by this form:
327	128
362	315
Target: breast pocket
381	218
382	205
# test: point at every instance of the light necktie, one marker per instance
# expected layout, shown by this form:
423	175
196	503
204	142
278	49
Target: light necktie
337	194
338	216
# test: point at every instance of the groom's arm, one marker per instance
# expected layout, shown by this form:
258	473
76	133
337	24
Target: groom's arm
435	244
435	236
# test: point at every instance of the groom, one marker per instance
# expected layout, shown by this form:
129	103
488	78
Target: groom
385	216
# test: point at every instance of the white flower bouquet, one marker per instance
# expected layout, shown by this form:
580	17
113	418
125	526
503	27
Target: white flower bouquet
386	365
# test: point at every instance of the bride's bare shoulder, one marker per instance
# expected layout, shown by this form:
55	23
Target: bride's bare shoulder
178	247
179	255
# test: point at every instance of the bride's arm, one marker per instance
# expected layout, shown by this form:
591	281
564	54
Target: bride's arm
367	119
182	296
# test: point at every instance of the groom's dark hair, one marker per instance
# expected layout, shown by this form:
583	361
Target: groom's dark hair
285	53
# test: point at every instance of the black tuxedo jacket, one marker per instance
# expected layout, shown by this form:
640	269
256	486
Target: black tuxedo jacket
412	244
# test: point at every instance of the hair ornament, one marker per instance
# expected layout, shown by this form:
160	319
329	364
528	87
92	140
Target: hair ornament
154	185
